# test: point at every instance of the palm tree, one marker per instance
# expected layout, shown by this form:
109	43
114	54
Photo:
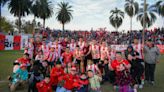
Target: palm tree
131	8
2	3
44	10
64	14
116	18
19	8
160	7
150	16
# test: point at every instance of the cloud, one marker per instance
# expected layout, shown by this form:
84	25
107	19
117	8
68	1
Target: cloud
88	14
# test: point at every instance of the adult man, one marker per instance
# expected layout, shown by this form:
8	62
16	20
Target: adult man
151	55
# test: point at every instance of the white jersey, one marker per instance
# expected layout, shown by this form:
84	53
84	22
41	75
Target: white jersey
58	48
81	45
29	49
95	51
92	67
72	46
45	48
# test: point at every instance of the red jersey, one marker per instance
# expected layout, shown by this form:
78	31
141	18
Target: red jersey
55	74
67	57
116	64
69	81
44	87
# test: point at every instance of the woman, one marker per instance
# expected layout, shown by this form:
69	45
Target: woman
121	67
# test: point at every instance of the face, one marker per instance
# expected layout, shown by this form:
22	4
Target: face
73	72
129	49
118	57
130	57
67	49
135	41
58	65
90	74
31	40
103	43
72	40
43	42
52	49
80	39
25	56
23	68
47	79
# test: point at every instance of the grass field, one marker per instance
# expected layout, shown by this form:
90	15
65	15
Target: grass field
7	57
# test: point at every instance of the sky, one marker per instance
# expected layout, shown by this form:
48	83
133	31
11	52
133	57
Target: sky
89	14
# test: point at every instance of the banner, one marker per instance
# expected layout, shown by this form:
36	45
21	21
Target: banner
8	42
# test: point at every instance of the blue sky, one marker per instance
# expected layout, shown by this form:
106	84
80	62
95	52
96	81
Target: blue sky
89	14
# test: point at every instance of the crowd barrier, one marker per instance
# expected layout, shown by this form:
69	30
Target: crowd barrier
8	42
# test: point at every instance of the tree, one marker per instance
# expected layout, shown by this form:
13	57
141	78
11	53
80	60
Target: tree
64	14
150	16
45	10
116	18
2	3
160	7
131	8
19	8
6	26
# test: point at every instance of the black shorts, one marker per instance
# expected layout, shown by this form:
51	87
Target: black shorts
78	61
96	61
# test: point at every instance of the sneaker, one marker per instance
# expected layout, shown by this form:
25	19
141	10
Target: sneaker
152	83
140	86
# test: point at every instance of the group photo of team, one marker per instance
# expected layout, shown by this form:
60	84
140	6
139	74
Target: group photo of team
122	54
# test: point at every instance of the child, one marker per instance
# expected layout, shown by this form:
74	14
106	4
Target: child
121	68
56	72
44	85
94	81
35	76
39	56
93	67
19	77
16	66
69	81
84	83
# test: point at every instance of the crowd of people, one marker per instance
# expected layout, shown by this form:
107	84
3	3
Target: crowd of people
157	34
79	64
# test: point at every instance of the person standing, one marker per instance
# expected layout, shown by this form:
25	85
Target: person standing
151	56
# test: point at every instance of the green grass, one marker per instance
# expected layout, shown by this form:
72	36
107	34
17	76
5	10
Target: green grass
7	57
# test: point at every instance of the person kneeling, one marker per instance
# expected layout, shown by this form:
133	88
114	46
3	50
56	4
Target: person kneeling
20	77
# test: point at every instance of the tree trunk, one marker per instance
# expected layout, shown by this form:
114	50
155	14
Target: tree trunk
0	18
130	23
44	23
63	26
19	23
33	25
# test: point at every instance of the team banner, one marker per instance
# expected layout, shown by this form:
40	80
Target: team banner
8	42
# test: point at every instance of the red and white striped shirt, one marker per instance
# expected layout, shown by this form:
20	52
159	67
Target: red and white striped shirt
93	67
138	48
81	45
51	56
95	50
72	46
45	48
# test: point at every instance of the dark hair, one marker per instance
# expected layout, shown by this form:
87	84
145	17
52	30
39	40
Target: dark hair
47	76
90	71
26	54
118	52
